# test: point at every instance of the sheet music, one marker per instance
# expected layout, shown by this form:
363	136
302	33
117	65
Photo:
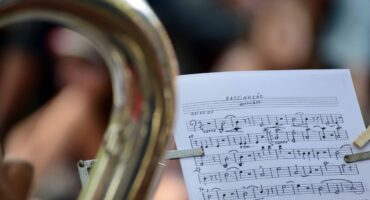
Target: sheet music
271	135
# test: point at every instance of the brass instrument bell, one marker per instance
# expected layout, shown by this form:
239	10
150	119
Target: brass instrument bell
142	66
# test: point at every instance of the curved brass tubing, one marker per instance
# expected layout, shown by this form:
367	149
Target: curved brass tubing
142	65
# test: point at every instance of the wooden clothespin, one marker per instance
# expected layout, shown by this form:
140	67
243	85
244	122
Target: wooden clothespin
363	138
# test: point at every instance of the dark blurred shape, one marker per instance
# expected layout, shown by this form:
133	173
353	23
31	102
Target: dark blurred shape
200	30
26	71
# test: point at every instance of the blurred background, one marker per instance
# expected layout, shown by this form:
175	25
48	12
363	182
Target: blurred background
55	92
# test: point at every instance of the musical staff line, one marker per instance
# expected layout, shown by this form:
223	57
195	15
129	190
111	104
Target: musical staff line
277	172
334	186
239	158
270	137
232	123
285	102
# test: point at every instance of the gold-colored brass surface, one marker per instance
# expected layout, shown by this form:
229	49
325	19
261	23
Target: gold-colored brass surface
142	65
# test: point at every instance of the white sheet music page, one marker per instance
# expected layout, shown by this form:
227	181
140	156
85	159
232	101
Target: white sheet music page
271	135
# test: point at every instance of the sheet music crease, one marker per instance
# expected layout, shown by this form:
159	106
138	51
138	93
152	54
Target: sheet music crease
271	135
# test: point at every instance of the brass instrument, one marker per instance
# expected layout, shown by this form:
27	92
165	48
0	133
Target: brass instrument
142	65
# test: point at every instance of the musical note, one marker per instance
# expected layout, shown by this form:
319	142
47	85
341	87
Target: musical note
232	123
279	140
236	175
258	155
335	186
280	137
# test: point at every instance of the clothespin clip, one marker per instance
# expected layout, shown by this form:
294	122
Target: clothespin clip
176	154
363	138
357	157
84	166
360	142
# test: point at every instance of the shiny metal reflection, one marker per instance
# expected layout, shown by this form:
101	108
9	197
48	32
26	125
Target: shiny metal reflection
142	65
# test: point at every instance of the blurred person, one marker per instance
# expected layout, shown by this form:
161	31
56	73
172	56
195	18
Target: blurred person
25	72
16	83
25	75
280	36
70	125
